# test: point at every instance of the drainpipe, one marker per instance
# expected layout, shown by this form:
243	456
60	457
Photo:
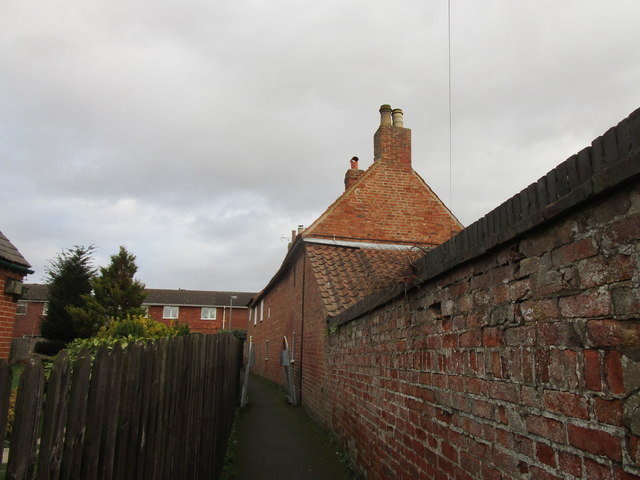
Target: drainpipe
304	267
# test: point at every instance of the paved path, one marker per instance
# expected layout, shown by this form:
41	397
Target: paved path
280	442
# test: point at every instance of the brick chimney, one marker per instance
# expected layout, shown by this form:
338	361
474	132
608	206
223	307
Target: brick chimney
353	174
392	142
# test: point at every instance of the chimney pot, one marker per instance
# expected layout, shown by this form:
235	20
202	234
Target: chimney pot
300	229
385	115
354	163
398	120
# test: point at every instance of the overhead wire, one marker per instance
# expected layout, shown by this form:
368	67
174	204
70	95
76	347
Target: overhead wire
450	119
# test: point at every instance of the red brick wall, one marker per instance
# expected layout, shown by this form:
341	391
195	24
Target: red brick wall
296	311
522	363
8	305
192	316
29	324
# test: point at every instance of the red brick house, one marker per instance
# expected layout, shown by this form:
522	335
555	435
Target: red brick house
364	242
204	311
31	308
13	269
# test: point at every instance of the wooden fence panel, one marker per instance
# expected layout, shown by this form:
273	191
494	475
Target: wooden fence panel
76	419
157	410
55	416
114	382
22	456
5	395
97	402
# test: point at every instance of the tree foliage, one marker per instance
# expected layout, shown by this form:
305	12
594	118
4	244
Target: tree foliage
69	279
116	295
124	332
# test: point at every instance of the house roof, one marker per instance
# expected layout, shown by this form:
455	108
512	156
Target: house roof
387	204
346	272
196	298
35	292
11	258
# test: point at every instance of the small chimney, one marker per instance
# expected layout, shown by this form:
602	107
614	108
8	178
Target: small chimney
300	229
397	117
353	174
385	115
392	142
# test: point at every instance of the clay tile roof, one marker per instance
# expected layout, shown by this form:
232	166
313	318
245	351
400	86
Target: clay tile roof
11	257
346	275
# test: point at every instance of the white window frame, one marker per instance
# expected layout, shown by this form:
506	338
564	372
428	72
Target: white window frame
21	307
208	315
45	309
168	314
145	310
255	316
261	310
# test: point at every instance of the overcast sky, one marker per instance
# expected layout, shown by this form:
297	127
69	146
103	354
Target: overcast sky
198	134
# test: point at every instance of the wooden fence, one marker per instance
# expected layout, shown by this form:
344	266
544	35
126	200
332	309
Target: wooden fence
157	411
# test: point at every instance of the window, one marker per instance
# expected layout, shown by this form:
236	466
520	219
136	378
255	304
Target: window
267	351
45	308
145	310
255	316
208	313
261	310
170	312
21	309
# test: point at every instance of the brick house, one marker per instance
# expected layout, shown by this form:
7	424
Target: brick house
364	242
204	311
13	269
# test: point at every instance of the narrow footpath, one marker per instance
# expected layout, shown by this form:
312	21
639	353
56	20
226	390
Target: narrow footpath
280	442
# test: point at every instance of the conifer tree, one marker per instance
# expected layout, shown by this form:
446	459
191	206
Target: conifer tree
116	294
69	279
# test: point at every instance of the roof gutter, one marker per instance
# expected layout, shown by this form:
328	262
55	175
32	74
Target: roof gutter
24	269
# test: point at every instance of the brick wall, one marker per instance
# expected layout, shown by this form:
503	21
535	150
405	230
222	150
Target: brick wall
8	305
192	316
29	323
515	353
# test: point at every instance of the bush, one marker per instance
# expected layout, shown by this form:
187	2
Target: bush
49	347
123	332
238	333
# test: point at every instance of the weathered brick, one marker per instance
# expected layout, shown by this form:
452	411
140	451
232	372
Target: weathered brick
613	333
625	230
546	454
608	411
626	301
570	464
565	403
595	441
594	303
597	271
592	370
613	372
573	251
547	428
